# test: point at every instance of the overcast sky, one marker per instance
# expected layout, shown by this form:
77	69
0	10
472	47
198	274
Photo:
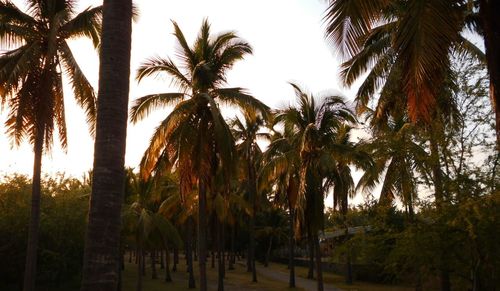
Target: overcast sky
288	41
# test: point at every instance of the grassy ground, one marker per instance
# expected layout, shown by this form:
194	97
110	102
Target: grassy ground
338	281
237	279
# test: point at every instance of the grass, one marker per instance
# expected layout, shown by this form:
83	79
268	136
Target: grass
339	281
237	279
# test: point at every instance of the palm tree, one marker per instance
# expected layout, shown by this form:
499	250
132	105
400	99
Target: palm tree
31	84
382	34
195	136
281	169
398	155
313	128
146	223
247	133
101	256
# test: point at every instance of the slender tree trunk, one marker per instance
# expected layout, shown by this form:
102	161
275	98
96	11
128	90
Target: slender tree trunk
202	234
101	257
130	257
252	180
154	275
310	243
491	27
220	259
268	253
232	255
319	270
143	266
176	259
162	259
291	246
168	277
189	253
139	269
444	274
34	226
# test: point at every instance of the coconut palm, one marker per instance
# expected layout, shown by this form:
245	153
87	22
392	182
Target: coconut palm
31	84
385	34
313	127
195	136
143	220
101	256
246	133
398	155
281	170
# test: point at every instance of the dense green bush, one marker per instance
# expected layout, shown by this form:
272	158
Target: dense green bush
62	229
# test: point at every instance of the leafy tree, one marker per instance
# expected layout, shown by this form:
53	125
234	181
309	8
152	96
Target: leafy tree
195	136
382	34
31	84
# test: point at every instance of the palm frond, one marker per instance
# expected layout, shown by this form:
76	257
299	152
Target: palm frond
143	106
154	66
84	92
87	24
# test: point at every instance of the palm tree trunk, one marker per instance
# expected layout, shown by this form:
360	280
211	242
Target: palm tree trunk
189	253
101	257
491	27
34	227
220	273
176	259
233	248
162	259
154	275
268	253
139	269
310	242
291	246
202	234
319	270
252	180
168	277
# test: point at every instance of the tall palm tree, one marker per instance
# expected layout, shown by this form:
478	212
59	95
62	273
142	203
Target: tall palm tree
398	155
31	84
195	136
102	256
281	163
417	37
313	127
246	134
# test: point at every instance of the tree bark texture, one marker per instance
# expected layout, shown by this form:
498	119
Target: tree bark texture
34	226
101	257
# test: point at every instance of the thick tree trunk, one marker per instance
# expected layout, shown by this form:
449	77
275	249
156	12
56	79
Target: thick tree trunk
34	226
101	258
202	234
291	246
319	270
491	27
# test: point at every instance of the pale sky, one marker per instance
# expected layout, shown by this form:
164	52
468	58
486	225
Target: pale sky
288	42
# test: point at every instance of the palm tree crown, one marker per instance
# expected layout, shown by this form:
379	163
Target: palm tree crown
31	73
